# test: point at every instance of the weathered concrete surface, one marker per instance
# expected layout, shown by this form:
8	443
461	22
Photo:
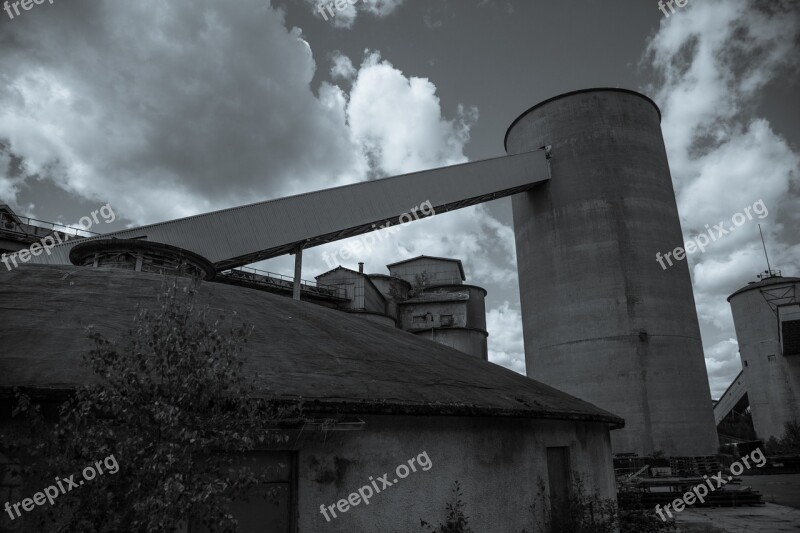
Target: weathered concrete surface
497	461
601	319
298	349
780	489
772	378
768	518
339	363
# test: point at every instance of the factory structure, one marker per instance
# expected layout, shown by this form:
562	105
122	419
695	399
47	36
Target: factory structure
766	315
398	362
423	295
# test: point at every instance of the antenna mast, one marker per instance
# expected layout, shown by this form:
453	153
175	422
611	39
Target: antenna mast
769	268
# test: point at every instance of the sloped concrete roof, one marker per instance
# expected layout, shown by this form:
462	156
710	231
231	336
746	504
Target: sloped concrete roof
334	361
774	280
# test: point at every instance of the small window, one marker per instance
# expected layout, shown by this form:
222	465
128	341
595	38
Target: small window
419	319
446	320
745	363
770	358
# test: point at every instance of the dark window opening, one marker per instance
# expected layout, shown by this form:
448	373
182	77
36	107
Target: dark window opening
559	481
790	330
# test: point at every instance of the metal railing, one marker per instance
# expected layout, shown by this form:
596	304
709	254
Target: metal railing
279	281
30	226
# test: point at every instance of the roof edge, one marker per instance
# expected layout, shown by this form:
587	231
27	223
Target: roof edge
382	407
573	93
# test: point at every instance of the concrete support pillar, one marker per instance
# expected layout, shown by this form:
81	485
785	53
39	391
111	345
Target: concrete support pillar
298	269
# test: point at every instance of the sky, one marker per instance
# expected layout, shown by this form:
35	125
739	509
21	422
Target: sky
169	109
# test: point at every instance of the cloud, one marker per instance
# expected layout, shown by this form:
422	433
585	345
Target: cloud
347	15
108	111
113	105
712	61
506	346
398	122
342	67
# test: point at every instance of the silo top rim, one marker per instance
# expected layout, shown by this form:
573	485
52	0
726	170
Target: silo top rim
774	280
572	93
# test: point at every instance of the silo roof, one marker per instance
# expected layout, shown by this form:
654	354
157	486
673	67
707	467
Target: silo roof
773	280
331	360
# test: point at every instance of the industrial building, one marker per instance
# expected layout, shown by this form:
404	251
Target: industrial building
376	395
424	295
593	204
766	315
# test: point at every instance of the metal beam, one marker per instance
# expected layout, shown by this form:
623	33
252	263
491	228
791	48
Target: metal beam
247	234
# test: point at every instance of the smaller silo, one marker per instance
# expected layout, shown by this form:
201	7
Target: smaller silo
766	315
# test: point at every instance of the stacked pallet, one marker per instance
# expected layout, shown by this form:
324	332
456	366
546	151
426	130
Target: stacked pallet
723	497
692	466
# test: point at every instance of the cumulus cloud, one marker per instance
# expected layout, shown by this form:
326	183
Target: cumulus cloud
342	67
164	129
506	347
398	121
713	60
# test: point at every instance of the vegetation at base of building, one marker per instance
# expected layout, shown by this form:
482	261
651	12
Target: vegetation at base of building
637	518
169	402
788	444
578	511
457	521
575	511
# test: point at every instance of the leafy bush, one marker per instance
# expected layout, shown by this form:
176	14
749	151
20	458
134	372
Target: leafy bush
170	403
788	444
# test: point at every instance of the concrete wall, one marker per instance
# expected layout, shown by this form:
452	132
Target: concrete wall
465	303
394	290
772	379
364	296
470	341
601	319
497	461
465	326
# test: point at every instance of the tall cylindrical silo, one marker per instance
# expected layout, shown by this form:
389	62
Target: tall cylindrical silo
602	319
766	315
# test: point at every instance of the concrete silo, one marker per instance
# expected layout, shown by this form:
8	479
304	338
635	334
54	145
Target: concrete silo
602	320
766	315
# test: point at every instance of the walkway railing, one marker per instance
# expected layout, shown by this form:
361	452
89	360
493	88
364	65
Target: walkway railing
279	281
38	228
